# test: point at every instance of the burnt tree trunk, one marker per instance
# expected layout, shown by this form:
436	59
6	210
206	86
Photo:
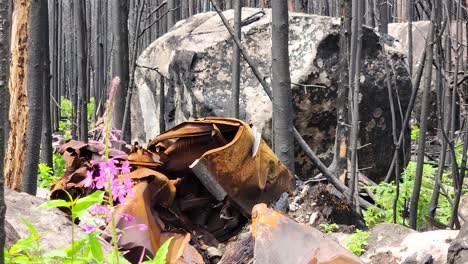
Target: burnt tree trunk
423	128
340	158
38	42
120	63
46	140
283	138
235	86
171	4
4	95
81	55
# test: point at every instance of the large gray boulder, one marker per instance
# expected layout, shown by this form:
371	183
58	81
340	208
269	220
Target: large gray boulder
391	243
195	60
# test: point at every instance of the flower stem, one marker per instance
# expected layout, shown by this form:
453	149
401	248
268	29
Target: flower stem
109	189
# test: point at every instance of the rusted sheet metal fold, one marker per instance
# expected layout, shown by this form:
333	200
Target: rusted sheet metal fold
227	168
135	239
279	239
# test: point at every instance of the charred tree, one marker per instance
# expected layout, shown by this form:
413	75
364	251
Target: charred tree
298	6
81	56
46	140
355	73
38	42
410	36
171	6
423	128
235	85
120	63
340	158
283	137
4	97
384	17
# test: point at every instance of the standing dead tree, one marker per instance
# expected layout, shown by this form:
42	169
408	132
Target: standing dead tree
283	141
423	128
80	28
354	74
235	85
38	42
18	111
340	159
120	63
4	96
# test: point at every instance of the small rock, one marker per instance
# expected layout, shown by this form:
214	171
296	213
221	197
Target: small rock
293	207
313	218
458	250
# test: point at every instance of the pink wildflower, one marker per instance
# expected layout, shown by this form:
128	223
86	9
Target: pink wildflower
125	169
129	218
98	209
89	181
88	228
142	227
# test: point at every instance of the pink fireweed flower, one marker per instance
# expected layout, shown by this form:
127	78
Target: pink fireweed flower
121	189
98	209
107	169
88	228
89	181
129	218
142	227
125	169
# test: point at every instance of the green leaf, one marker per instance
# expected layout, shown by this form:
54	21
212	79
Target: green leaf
77	245
20	260
162	252
95	247
84	203
6	255
56	253
55	203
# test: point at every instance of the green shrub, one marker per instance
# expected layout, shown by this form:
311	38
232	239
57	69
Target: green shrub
328	228
415	133
357	242
385	195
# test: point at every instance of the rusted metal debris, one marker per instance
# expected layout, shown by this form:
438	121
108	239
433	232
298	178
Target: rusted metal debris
198	183
279	239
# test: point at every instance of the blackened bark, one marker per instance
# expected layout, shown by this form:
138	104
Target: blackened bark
410	36
4	97
235	85
162	105
457	182
46	140
340	158
298	5
120	63
283	137
171	14
38	42
443	116
423	128
80	27
136	32
384	18
356	70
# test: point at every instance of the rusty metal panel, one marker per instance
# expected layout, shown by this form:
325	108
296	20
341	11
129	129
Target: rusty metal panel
229	169
279	239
